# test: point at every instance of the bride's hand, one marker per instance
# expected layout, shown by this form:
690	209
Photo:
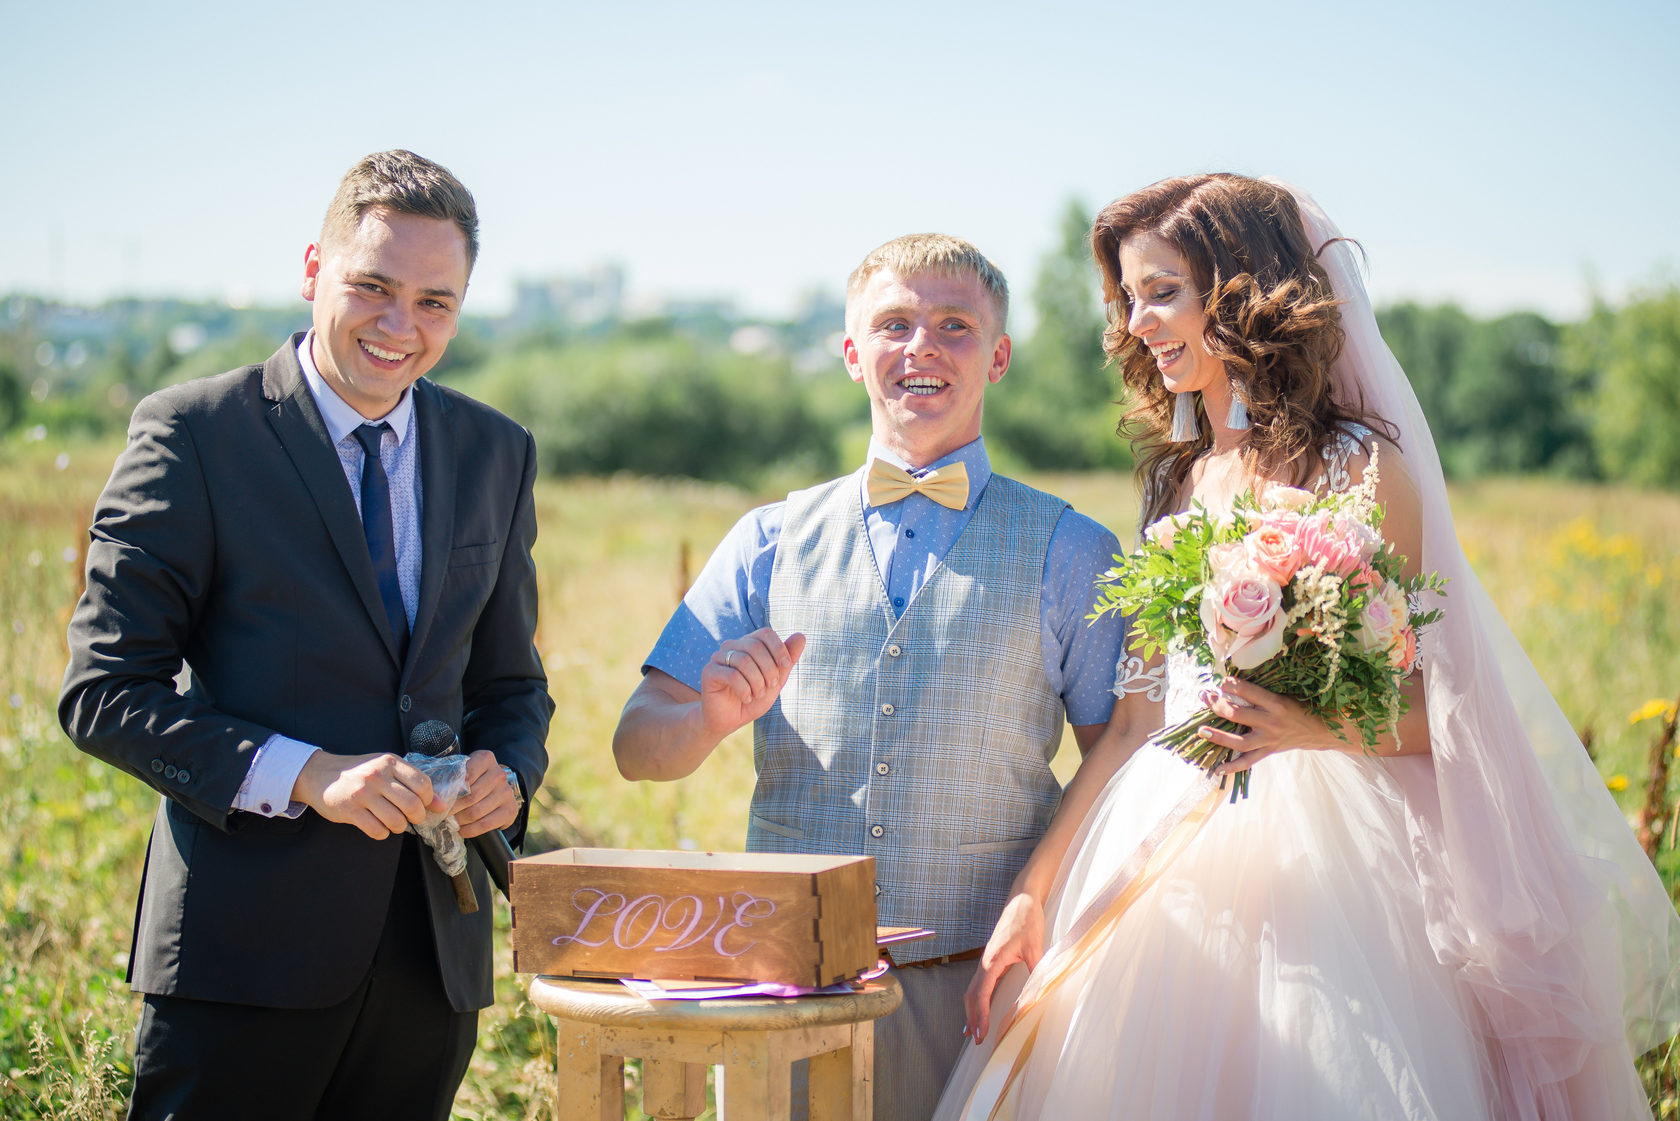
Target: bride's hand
1017	938
1275	723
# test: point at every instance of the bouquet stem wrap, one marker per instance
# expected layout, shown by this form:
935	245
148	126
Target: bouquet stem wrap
440	832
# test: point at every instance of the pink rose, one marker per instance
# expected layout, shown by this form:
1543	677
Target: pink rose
1272	548
1366	577
1243	616
1383	620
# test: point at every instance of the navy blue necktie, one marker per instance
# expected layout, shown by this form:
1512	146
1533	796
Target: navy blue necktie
376	527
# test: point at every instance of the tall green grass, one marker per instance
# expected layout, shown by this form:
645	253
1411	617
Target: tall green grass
1589	578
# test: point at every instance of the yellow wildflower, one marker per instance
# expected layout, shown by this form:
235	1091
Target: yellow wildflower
1659	707
1618	783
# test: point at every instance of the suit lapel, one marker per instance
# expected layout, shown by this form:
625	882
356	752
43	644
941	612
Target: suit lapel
437	501
297	423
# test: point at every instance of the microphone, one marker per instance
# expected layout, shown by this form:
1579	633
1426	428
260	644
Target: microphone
434	737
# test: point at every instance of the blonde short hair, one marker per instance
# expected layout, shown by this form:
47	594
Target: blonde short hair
940	254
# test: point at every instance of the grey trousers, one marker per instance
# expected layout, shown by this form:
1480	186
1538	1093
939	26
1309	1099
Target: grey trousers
915	1048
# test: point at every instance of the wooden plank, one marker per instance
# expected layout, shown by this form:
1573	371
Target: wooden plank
757	1078
845	922
843	1081
673	1091
587	1084
663	1044
803	1042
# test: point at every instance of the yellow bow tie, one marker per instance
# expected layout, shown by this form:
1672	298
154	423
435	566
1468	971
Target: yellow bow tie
947	486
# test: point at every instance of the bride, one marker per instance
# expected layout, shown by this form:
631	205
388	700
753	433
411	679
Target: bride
1456	926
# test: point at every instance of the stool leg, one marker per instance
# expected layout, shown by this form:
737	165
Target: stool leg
843	1081
673	1091
587	1084
756	1078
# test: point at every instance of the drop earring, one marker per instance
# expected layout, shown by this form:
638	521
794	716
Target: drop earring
1237	418
1184	427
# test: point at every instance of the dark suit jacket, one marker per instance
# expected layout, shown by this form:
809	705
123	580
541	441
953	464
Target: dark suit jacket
227	539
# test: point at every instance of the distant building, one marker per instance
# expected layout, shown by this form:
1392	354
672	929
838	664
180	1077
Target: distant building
596	296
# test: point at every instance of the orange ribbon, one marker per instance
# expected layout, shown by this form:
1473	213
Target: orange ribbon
1060	963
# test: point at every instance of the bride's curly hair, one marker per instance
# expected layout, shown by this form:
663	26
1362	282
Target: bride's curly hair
1272	321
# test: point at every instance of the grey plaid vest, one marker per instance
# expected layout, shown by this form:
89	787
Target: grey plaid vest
924	741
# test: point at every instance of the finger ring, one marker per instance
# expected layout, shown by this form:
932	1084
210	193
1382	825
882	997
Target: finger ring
728	658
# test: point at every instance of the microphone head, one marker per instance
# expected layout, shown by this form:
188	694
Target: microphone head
433	737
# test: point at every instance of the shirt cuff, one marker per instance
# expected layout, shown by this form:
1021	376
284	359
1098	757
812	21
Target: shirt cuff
267	789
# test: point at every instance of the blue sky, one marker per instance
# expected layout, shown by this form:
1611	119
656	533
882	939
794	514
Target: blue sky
1501	155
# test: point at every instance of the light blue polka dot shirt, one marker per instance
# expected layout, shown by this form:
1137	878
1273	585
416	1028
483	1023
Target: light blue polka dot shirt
909	539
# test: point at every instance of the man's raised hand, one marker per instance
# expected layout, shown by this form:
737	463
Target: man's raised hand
744	678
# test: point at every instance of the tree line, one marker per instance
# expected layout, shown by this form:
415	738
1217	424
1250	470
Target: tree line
1513	394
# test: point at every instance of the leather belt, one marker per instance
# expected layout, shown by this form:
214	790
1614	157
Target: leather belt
944	959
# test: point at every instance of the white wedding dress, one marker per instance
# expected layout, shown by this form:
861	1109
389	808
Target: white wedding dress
1467	934
1278	967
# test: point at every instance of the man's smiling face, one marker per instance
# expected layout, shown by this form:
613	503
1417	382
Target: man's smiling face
387	301
925	347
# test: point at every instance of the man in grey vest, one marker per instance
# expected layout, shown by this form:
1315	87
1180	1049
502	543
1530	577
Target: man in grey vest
906	640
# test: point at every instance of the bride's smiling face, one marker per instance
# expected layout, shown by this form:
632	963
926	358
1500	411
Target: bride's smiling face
1165	312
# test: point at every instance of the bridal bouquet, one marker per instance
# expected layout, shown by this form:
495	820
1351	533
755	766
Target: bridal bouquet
1296	592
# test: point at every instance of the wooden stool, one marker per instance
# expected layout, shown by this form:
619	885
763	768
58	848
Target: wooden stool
755	1039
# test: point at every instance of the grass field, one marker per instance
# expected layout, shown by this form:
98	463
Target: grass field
1589	578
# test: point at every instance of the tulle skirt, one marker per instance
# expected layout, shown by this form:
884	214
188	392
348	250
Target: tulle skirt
1277	967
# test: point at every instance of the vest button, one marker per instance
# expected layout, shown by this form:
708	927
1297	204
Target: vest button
877	889
405	702
887	710
882	768
877	831
894	650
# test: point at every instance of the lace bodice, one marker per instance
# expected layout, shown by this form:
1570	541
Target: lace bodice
1337	451
1177	680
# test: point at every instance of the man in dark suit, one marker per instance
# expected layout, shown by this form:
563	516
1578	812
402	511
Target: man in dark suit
278	591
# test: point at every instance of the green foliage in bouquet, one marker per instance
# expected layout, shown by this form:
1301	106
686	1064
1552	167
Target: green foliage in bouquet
1295	592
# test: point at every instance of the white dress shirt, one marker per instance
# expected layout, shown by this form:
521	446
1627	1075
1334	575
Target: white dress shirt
275	765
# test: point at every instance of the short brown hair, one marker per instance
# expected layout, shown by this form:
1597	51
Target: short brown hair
403	182
940	254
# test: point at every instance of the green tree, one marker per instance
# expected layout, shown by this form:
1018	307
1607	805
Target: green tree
1514	404
1056	407
661	406
1632	355
1429	343
1496	393
11	397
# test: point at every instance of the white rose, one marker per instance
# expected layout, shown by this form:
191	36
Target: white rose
1286	498
1382	621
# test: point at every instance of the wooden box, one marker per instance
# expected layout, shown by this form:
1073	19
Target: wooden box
788	919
